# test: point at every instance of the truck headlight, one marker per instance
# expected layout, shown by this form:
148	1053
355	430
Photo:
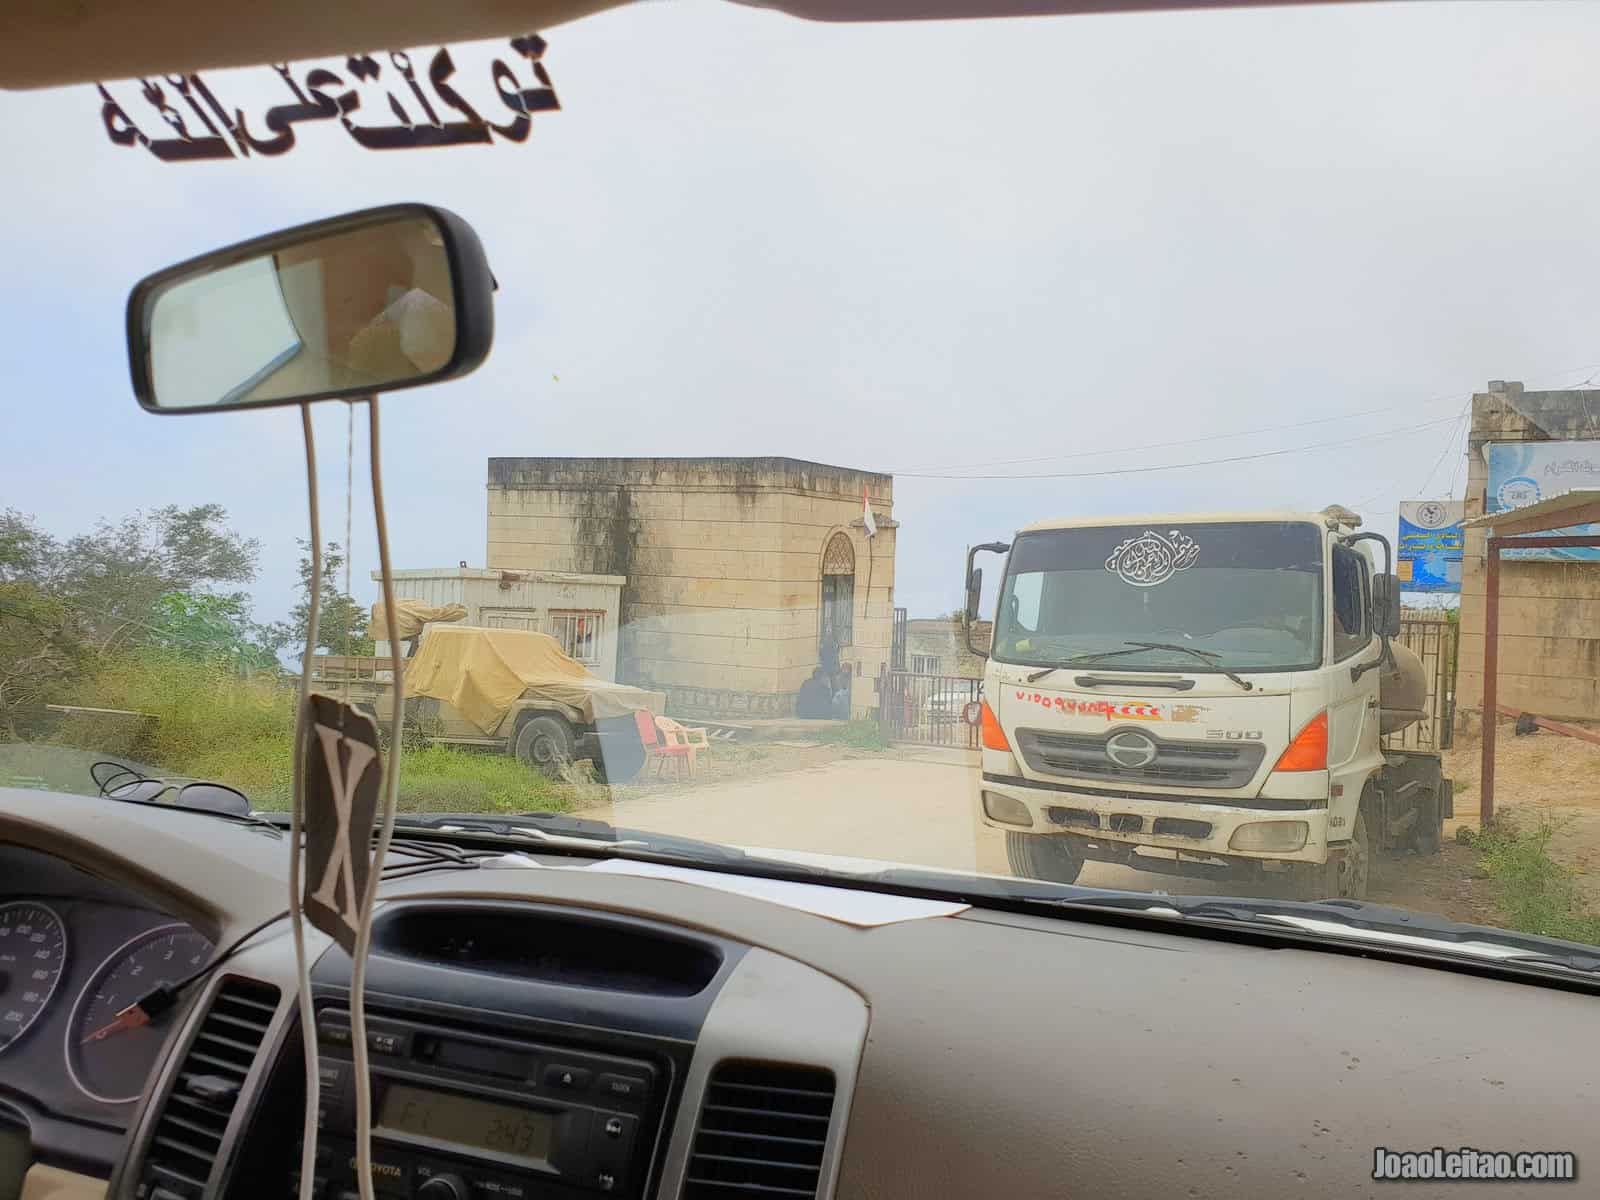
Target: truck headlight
1263	836
1002	808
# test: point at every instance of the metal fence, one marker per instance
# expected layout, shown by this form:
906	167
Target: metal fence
1435	643
927	708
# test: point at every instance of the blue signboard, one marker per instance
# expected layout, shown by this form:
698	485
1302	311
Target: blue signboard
1428	551
1523	473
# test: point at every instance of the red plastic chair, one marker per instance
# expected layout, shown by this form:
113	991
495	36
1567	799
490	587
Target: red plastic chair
657	751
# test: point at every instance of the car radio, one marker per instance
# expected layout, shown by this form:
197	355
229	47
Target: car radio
464	1116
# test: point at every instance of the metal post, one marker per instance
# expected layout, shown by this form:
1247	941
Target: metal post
1491	657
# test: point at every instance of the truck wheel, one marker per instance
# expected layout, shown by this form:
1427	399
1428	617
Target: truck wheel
1341	879
545	744
1054	858
1427	831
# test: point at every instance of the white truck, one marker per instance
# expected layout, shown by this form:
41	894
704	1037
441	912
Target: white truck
1202	695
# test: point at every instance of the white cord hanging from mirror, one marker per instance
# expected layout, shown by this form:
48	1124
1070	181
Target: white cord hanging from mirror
391	792
308	1025
333	805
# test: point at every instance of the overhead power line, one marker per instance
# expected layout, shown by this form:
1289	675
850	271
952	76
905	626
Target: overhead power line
1203	462
1186	441
951	471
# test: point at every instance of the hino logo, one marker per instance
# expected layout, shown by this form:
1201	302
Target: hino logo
1130	748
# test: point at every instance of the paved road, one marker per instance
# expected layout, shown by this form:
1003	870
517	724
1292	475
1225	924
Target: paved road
913	810
921	810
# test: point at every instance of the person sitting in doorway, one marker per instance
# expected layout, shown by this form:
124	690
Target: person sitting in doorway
841	696
814	700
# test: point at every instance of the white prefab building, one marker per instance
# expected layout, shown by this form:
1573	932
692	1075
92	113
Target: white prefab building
579	611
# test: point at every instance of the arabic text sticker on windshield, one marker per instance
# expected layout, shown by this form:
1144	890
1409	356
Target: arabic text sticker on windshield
203	127
1152	558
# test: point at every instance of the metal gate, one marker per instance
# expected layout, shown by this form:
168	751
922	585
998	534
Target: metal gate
1434	642
927	708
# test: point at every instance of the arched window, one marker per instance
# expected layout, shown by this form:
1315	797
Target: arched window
837	618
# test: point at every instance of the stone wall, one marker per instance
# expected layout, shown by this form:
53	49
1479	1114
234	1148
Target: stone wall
943	638
1549	611
723	561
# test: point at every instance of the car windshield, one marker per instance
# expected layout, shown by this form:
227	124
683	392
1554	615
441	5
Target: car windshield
800	504
1078	595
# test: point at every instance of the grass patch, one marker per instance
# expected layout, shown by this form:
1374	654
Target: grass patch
212	724
860	734
444	779
1536	893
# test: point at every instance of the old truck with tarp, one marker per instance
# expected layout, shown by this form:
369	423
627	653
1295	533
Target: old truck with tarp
509	690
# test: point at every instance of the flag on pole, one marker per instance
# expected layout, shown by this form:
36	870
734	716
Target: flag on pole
866	513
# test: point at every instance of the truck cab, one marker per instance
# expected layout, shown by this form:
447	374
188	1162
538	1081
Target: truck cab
1201	694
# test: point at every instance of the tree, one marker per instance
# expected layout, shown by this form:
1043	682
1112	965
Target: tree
146	579
114	577
24	548
40	649
341	622
206	626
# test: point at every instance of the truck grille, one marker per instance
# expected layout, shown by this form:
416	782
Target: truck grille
1176	764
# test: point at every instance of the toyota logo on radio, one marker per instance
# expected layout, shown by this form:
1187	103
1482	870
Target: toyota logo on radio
1131	748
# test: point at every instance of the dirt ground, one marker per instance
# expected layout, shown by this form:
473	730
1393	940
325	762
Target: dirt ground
1540	777
916	805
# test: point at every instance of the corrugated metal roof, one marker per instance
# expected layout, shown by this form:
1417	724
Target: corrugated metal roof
1551	508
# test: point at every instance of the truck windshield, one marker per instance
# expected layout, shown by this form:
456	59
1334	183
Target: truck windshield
1245	595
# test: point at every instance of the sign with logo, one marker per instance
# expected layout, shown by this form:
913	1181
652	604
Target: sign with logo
1523	473
1428	551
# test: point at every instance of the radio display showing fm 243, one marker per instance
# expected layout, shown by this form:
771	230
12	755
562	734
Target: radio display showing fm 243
502	1129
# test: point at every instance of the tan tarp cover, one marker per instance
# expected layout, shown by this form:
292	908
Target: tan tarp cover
411	616
481	673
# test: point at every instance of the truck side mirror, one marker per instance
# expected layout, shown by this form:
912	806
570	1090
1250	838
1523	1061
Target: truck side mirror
1386	605
974	593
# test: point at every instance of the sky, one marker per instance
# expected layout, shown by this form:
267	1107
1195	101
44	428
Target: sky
1101	244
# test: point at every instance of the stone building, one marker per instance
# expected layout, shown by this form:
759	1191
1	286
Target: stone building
736	568
1549	611
937	646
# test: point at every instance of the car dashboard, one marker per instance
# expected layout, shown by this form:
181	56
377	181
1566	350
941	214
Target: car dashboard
549	1025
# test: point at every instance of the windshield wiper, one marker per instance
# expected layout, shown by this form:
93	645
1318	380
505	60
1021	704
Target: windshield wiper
1208	656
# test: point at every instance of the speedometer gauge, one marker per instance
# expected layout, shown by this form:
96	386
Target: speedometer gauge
110	1060
33	952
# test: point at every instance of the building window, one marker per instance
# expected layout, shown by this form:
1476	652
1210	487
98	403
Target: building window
837	620
578	633
924	664
510	619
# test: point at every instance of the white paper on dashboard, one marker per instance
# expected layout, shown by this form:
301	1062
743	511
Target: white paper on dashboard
845	904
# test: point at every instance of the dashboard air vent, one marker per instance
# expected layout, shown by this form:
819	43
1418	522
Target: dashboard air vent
761	1133
187	1137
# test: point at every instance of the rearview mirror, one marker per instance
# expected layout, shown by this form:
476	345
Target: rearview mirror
375	301
974	593
1386	605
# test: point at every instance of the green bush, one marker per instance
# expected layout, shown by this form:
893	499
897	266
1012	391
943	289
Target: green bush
210	723
1536	893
